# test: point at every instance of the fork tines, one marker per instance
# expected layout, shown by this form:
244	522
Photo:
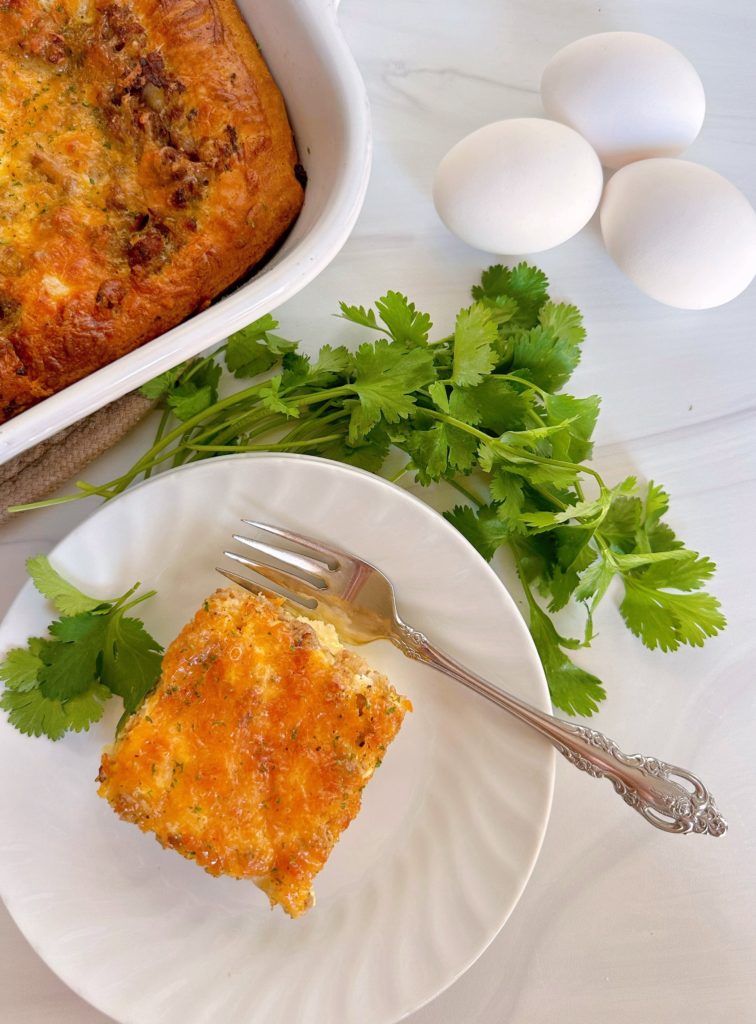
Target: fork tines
280	570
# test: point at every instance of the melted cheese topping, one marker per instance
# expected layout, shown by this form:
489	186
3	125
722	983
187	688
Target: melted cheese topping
53	165
251	755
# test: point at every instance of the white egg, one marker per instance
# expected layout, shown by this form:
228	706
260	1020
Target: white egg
683	233
632	96
518	186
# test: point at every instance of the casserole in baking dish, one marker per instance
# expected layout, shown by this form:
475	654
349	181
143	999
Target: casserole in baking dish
147	164
327	107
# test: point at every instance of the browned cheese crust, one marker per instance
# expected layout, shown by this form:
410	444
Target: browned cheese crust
251	755
146	164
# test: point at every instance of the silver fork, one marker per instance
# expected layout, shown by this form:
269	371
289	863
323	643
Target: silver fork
360	601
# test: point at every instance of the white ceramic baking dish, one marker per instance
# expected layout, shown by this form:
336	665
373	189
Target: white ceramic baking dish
327	104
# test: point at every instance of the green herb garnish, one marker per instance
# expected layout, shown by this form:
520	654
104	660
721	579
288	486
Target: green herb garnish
61	682
483	410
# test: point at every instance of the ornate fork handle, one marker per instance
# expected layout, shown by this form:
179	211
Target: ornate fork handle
645	783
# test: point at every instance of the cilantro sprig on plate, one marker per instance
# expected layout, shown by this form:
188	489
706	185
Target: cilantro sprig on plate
482	409
61	682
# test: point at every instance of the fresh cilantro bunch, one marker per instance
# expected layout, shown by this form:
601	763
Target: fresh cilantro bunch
483	410
60	683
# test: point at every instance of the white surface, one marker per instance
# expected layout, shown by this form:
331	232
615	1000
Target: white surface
438	855
518	186
631	95
683	233
619	922
327	105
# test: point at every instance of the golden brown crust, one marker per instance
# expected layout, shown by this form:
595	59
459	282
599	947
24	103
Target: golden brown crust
146	163
251	755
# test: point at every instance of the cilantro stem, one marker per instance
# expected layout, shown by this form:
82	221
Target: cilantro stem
141	464
523	577
467	493
137	600
115	605
237	425
395	477
159	433
520	380
313	422
45	503
280	447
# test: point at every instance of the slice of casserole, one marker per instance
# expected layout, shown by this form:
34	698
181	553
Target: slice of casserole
146	164
251	754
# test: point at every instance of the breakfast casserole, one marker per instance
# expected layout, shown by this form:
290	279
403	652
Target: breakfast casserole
146	164
251	754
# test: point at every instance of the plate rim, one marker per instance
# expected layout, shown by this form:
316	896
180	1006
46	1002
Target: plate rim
543	703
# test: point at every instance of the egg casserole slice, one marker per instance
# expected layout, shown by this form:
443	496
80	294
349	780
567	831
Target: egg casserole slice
251	754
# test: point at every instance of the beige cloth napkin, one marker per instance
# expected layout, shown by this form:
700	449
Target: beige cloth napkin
43	469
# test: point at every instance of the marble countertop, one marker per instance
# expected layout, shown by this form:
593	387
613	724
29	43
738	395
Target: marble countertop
618	921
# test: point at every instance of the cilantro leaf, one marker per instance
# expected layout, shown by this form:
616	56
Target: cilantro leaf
528	285
536	557
20	667
253	349
494	283
163	383
622	522
359	315
574	555
367	453
332	363
405	324
67	598
386	375
296	371
248	358
687	573
429	451
572	689
32	713
86	708
483	528
594	582
59	683
493	404
523	284
565	322
666	620
544	358
439	396
655	535
270	398
439	451
474	337
131	660
504	311
579	416
580	509
70	666
193	396
508	491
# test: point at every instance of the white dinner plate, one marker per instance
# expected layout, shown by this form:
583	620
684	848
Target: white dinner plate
424	877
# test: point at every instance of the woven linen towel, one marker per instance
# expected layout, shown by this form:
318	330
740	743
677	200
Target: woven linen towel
43	469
